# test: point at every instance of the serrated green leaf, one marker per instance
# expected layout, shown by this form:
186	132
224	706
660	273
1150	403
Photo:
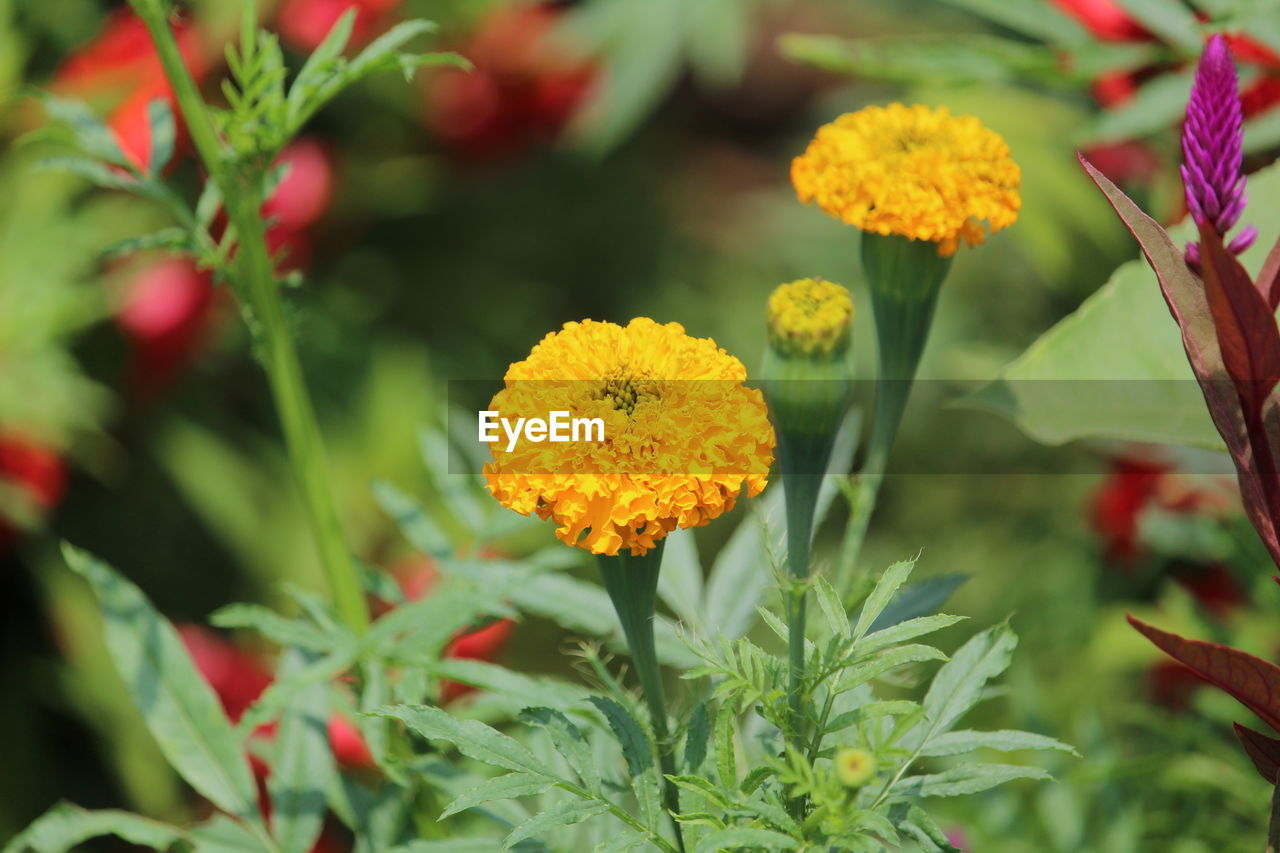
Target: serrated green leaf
278	696
702	788
95	171
509	787
471	737
180	708
871	711
697	739
66	826
522	690
166	239
304	767
904	631
965	779
636	746
568	741
832	609
623	843
288	633
882	594
918	599
957	686
1035	18
726	754
567	813
734	837
90	134
960	742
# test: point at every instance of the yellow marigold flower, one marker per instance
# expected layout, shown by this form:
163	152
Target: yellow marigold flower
855	767
914	171
682	434
810	316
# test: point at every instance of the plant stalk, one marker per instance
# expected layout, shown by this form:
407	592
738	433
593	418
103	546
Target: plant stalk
632	584
259	288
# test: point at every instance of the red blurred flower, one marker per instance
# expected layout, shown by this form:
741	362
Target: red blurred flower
1125	162
521	91
303	24
1119	501
1212	585
416	578
165	316
298	202
120	66
348	744
235	675
1172	684
1106	19
38	472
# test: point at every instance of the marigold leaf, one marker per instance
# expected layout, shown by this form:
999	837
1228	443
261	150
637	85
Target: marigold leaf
882	594
508	787
957	687
567	813
66	826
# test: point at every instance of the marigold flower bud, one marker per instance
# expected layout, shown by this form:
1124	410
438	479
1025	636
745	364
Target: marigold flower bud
855	767
810	317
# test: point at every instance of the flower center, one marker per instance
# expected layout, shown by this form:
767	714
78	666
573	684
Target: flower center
627	392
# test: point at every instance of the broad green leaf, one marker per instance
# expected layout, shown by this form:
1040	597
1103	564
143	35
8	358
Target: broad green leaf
286	632
680	581
66	826
965	779
1115	368
452	782
735	837
633	739
951	58
164	133
280	694
423	533
377	730
958	685
509	787
450	845
740	574
471	737
568	741
1169	19
221	834
960	742
922	825
381	815
304	767
1036	18
180	708
893	578
1157	106
623	842
567	813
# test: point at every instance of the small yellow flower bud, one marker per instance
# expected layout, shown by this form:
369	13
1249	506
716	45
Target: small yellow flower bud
855	766
810	317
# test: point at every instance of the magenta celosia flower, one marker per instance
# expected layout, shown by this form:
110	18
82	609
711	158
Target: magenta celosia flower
1211	150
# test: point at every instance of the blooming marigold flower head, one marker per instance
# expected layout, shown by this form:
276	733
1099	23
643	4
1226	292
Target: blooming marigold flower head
918	172
855	766
682	434
810	317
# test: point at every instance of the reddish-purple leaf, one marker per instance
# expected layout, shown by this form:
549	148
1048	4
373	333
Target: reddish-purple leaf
1263	751
1254	682
1269	278
1247	335
1185	295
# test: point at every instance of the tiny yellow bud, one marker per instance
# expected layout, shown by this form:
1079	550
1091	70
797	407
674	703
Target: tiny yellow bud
810	317
855	766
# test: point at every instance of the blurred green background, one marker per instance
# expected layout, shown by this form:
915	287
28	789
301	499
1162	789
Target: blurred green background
607	159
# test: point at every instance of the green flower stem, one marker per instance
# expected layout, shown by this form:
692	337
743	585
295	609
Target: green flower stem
258	287
801	495
1273	828
632	584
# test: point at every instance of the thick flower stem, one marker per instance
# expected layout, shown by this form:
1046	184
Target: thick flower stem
801	495
258	287
1273	828
632	584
